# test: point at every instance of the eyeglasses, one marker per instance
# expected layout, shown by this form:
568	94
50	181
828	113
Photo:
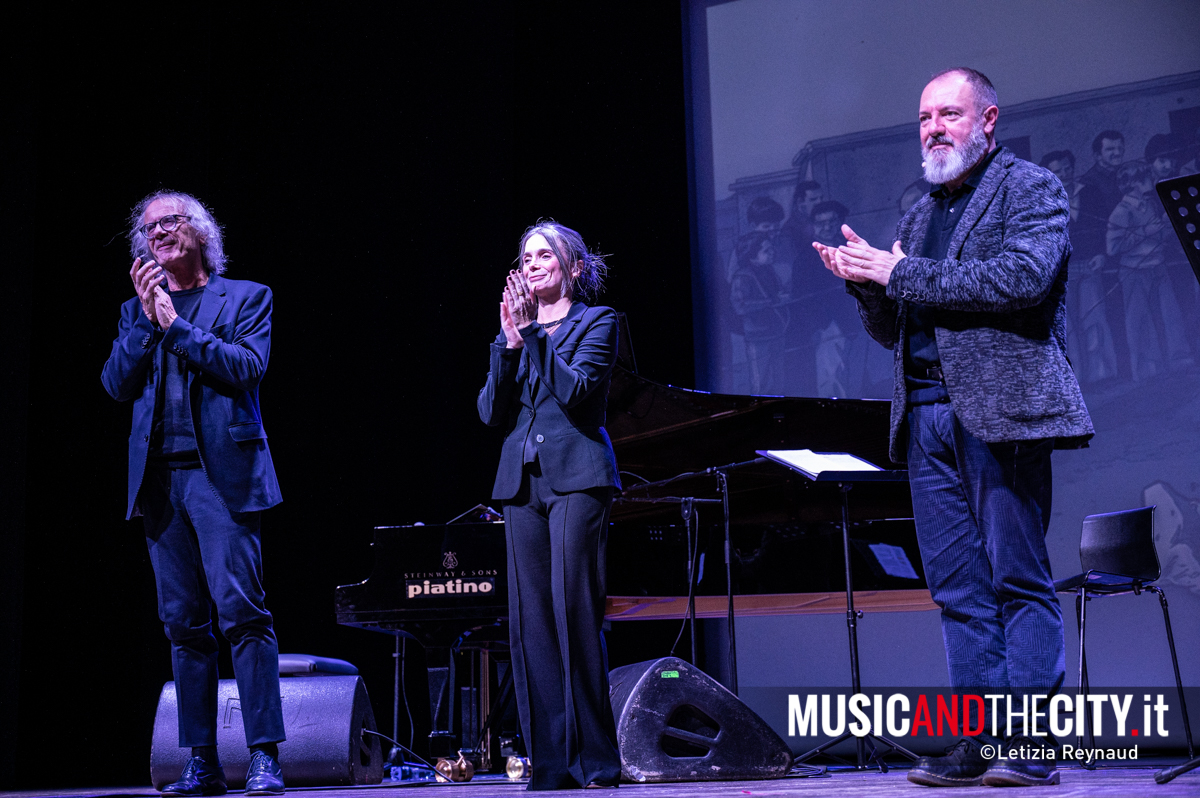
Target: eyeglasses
167	223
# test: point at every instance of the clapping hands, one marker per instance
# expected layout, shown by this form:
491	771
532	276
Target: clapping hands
858	261
518	308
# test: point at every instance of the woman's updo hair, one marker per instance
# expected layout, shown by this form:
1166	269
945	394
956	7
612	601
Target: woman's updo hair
583	271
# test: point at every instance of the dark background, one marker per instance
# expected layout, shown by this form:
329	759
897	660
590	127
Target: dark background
375	166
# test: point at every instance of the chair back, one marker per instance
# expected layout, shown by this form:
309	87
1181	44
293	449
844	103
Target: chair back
1121	543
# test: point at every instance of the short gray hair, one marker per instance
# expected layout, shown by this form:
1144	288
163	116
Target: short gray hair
985	92
213	252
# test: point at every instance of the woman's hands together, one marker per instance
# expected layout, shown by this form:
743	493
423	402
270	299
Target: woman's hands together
518	308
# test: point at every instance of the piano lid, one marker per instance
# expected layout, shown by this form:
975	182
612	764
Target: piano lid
660	431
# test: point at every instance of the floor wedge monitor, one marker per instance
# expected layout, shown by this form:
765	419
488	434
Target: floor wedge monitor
675	723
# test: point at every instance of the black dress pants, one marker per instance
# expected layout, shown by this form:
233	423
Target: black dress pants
556	594
204	555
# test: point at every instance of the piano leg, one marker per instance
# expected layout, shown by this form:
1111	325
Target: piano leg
396	756
485	704
493	712
481	713
440	664
484	712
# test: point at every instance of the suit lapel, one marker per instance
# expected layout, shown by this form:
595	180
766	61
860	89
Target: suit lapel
211	302
922	212
574	315
985	192
559	343
533	378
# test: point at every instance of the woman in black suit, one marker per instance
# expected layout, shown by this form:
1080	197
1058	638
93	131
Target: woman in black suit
550	369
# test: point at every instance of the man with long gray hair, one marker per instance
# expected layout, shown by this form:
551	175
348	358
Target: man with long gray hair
970	298
190	352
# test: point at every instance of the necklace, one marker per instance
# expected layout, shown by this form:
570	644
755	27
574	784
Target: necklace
548	324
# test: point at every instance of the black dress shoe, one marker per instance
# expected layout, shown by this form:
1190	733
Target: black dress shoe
264	777
962	766
1026	763
199	777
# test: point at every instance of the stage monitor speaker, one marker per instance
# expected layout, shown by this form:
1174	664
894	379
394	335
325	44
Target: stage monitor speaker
323	718
675	723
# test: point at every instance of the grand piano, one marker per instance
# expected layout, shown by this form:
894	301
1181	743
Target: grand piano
446	587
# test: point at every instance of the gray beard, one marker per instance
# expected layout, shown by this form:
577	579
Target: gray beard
944	167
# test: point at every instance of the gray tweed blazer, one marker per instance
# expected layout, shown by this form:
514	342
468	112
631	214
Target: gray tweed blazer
1001	292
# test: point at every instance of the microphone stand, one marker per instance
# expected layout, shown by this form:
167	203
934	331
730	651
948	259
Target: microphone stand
720	475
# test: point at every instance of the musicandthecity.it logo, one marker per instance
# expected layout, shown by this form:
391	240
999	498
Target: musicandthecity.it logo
1045	720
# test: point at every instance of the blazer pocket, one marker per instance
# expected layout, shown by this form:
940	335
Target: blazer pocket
248	431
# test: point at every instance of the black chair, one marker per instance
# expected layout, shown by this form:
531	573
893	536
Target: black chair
1117	553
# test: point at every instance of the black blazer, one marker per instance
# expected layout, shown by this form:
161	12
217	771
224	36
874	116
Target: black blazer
226	349
552	394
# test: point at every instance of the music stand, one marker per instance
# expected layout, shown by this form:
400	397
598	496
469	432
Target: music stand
1180	197
851	470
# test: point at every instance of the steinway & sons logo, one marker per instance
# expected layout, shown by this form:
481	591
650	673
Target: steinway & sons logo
450	582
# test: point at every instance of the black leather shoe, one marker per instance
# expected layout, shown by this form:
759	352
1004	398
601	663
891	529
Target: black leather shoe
962	766
264	776
1025	763
199	777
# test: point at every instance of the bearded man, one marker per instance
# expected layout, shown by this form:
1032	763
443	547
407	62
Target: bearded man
983	393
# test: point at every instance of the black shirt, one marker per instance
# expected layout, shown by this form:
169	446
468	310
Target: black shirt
172	437
920	352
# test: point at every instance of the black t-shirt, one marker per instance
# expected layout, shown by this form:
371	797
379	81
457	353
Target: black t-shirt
173	437
921	352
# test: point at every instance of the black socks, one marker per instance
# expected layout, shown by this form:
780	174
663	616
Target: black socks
208	753
270	749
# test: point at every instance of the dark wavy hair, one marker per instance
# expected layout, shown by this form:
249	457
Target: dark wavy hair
213	246
1106	135
583	271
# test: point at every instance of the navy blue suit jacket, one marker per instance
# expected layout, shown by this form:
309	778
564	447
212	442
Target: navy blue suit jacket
552	394
226	349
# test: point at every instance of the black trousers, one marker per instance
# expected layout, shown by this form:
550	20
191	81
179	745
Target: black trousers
556	594
204	555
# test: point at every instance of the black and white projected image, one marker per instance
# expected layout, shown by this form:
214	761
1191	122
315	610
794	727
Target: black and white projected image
1133	304
805	118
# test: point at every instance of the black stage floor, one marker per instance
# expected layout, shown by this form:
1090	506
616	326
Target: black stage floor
1126	782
